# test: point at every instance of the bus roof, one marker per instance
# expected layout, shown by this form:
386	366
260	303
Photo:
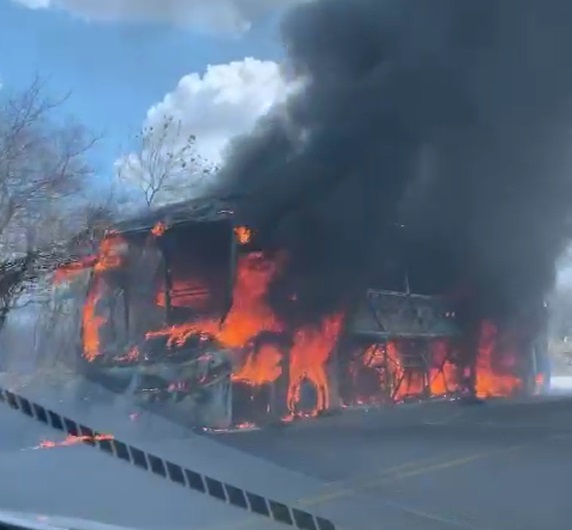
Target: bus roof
200	210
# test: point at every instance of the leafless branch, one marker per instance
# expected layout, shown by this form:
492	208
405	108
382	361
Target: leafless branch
43	169
40	161
164	162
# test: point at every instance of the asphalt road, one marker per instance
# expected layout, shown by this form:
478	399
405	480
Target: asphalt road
79	481
439	466
493	466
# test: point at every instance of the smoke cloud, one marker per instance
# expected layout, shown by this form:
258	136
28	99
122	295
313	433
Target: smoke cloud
428	136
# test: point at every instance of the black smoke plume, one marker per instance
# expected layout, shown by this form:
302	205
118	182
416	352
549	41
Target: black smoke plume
432	136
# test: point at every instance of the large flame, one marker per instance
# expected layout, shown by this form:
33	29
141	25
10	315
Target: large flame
304	352
109	257
430	372
250	315
433	372
309	356
92	322
495	379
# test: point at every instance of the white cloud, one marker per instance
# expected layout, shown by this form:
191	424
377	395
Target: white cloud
225	101
217	15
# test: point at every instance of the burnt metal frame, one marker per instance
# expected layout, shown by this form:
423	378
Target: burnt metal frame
408	370
441	370
389	382
167	270
390	377
382	336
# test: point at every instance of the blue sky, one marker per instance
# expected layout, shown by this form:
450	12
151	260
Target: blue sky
114	71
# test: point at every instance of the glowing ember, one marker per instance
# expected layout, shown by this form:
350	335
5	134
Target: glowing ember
243	234
159	229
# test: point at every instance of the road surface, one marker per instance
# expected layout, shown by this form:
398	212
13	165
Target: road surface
440	466
491	466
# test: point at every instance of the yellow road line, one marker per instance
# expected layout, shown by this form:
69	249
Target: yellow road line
385	477
389	478
357	479
339	484
349	485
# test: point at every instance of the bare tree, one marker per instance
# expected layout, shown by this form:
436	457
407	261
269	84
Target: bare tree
42	170
164	164
40	162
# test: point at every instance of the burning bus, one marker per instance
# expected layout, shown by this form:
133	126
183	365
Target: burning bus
179	314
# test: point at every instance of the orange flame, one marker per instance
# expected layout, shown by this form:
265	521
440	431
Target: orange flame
92	322
131	356
159	229
496	368
111	251
309	356
433	373
70	271
261	367
251	314
490	381
73	440
443	378
243	234
110	257
260	363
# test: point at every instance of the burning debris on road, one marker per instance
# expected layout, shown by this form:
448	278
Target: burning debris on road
71	440
390	232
